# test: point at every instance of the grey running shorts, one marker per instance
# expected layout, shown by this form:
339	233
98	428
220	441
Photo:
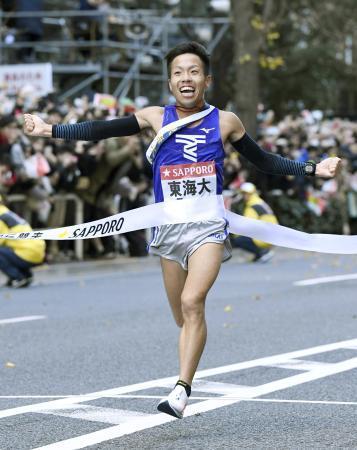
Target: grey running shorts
179	241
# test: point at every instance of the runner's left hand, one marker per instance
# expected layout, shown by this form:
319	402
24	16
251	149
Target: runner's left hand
328	168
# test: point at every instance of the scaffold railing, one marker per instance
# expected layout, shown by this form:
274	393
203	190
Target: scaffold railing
120	48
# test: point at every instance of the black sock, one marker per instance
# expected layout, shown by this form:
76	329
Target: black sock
186	386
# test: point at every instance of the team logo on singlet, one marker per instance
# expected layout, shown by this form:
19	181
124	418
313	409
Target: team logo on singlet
191	142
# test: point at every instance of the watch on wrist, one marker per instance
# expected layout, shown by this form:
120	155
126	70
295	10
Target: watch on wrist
310	168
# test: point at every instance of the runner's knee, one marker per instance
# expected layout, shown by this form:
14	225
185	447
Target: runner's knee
192	305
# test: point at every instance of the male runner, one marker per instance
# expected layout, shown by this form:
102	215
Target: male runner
191	254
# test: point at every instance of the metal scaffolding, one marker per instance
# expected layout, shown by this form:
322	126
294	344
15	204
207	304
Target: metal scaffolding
122	49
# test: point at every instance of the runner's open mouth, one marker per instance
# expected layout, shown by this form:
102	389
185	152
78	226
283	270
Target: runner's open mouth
187	90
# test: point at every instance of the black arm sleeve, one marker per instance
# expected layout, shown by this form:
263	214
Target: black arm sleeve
265	161
97	129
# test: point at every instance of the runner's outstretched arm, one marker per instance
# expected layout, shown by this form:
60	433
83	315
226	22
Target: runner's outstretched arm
265	161
89	130
270	162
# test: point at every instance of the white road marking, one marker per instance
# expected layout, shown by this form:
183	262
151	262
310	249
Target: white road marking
308	402
239	399
98	414
14	397
305	377
321	280
300	364
200	407
110	433
20	319
141	423
63	402
351	347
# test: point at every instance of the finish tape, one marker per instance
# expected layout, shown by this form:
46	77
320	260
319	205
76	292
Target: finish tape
196	210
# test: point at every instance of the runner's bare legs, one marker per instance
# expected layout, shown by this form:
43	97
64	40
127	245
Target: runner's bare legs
187	293
174	280
203	268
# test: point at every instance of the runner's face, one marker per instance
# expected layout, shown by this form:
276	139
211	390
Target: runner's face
188	81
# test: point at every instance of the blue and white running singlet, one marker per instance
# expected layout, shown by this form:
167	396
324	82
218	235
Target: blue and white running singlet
190	162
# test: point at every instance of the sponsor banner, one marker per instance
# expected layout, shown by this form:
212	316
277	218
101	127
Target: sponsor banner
197	210
181	181
179	171
13	77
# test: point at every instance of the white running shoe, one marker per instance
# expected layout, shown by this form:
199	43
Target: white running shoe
175	403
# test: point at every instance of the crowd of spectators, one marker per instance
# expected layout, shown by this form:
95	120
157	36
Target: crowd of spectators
310	204
107	176
113	175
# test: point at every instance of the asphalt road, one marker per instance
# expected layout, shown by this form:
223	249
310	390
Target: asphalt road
87	351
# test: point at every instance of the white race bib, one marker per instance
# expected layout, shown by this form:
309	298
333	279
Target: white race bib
182	181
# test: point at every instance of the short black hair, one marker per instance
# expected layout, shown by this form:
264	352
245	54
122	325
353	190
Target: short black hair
189	47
